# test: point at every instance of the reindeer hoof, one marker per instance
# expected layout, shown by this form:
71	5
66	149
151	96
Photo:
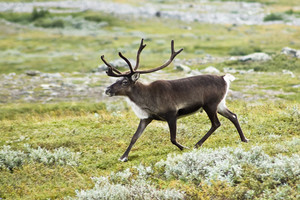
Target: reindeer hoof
184	147
125	159
245	140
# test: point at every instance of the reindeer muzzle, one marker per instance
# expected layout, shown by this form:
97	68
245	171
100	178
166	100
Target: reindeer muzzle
108	92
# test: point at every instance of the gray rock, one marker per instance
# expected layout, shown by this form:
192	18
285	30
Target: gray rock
296	86
210	70
229	70
182	67
49	86
12	74
255	57
288	72
240	71
291	52
29	99
54	94
100	68
51	75
233	95
32	73
194	73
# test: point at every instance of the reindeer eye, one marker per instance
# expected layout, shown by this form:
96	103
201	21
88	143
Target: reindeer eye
125	82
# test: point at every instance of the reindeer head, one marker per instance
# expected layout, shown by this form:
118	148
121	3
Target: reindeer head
129	78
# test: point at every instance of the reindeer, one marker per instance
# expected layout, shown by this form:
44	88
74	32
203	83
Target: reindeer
168	100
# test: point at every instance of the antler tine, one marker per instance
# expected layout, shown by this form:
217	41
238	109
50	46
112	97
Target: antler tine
173	55
111	70
127	61
142	46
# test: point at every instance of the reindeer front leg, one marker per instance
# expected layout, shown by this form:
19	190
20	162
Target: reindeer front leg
143	124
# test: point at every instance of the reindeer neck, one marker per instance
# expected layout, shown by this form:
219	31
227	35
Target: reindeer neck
139	93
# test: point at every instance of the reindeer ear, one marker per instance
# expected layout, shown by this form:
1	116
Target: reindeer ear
135	77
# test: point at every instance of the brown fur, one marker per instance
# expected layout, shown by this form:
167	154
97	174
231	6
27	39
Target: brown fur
168	100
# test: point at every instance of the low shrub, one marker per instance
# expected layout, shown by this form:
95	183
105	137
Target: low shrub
25	18
94	18
22	18
40	18
98	17
39	13
273	17
50	23
289	12
241	51
292	12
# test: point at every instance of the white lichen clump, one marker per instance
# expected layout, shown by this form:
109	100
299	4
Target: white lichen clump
11	159
60	156
199	166
106	188
226	164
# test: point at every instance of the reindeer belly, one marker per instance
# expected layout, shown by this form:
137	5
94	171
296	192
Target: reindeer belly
188	110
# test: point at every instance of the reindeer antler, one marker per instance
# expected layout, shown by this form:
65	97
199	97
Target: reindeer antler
127	61
142	46
173	55
112	71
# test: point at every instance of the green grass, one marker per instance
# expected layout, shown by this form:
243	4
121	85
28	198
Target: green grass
102	139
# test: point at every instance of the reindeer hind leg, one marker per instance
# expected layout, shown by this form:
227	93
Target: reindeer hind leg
233	118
